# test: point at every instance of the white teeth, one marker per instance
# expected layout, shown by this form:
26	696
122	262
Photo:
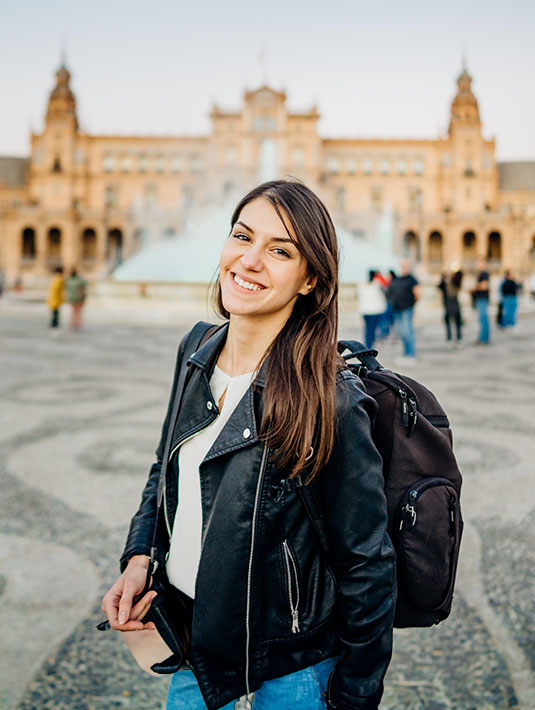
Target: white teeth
246	284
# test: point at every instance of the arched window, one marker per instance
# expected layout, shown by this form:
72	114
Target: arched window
53	246
89	245
494	247
435	248
411	246
29	251
114	247
469	248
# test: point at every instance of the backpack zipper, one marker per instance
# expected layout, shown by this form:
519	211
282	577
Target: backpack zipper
404	407
250	572
409	509
291	567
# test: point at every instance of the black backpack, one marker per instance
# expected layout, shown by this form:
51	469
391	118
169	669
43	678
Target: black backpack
422	485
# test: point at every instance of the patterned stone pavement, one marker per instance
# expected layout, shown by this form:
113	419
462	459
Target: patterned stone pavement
80	418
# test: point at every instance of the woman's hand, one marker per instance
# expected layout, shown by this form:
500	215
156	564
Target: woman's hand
117	603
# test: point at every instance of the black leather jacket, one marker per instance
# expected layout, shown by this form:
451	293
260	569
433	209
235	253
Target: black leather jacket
267	602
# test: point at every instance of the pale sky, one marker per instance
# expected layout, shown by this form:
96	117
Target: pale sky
375	69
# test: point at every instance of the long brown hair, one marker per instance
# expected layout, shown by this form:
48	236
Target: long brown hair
299	396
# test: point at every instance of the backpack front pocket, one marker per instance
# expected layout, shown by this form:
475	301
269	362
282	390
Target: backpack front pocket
429	530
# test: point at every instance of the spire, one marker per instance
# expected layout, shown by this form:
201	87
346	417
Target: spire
62	103
464	107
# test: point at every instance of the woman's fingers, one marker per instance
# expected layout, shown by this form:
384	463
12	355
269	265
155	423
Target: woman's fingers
140	609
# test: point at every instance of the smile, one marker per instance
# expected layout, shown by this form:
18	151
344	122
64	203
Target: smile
246	284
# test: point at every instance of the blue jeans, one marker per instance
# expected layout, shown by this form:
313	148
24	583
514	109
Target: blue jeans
371	323
404	330
482	305
302	690
509	310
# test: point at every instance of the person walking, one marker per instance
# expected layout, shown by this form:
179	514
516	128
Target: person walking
55	297
76	293
403	293
372	305
509	292
480	295
450	285
268	399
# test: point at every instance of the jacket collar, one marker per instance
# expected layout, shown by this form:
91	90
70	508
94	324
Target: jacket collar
206	356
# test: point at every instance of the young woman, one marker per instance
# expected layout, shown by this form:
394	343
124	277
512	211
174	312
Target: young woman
269	403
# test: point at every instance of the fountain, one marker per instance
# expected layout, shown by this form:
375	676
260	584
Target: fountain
192	257
182	266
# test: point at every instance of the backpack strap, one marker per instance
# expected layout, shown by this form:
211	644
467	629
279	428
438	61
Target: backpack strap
357	349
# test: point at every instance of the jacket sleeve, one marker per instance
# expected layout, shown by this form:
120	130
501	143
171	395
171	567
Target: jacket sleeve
361	553
138	541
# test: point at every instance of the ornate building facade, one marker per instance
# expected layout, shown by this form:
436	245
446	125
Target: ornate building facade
92	200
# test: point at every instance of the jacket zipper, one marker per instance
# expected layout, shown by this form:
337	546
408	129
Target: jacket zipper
291	566
250	571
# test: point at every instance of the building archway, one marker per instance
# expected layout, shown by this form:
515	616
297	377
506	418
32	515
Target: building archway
114	247
494	248
89	244
469	250
411	246
28	245
435	248
53	247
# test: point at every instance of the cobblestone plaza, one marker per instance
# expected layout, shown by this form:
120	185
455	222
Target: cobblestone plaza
80	420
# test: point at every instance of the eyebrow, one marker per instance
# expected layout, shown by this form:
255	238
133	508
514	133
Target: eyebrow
275	239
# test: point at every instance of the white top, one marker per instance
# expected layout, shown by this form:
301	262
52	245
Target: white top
185	549
372	299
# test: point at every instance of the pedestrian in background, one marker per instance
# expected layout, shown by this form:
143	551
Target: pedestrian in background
55	296
403	293
372	305
387	322
480	295
509	293
76	292
450	285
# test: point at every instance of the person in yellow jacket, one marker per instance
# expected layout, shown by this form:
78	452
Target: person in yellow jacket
55	296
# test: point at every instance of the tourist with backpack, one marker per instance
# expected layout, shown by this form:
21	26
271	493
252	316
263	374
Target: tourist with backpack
224	563
76	293
403	292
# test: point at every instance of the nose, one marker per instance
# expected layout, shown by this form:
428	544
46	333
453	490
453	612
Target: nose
252	259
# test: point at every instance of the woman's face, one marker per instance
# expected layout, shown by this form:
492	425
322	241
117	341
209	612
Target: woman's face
261	270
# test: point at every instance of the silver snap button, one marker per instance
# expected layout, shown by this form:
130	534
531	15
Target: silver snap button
209	406
246	433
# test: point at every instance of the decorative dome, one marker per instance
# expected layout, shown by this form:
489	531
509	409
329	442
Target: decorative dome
62	103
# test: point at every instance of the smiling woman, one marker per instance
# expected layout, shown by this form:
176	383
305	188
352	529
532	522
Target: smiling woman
266	405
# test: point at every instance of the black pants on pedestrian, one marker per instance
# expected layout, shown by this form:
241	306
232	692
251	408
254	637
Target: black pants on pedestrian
456	318
54	322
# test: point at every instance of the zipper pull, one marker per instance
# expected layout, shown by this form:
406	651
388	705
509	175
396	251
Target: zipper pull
452	516
413	414
404	408
409	509
295	621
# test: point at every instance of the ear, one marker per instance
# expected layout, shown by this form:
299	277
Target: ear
308	285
